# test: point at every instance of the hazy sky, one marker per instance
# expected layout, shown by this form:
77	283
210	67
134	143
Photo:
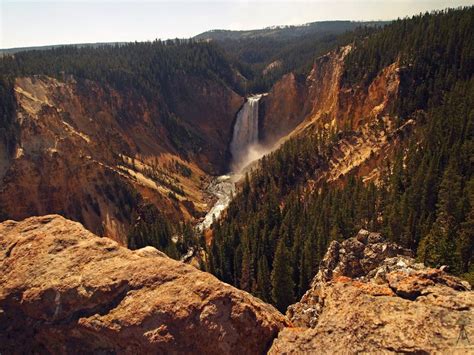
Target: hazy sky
31	23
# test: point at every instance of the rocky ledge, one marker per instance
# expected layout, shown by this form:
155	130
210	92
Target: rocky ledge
65	290
371	296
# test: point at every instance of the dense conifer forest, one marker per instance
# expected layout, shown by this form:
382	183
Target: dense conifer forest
278	229
265	59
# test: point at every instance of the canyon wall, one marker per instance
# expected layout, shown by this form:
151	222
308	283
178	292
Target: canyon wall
93	153
323	103
282	109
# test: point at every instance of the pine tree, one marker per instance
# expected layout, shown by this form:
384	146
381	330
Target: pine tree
465	241
281	277
263	280
246	277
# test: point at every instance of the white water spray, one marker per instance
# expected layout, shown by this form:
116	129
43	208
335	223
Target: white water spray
245	148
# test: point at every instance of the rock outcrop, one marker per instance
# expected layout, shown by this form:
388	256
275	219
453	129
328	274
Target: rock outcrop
324	102
371	296
282	109
65	290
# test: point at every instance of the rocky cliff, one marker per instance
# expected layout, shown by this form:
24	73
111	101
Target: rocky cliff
371	296
282	108
86	150
65	290
324	102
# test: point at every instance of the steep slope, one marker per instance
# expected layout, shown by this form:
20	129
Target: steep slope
282	109
382	139
63	289
370	296
322	102
98	150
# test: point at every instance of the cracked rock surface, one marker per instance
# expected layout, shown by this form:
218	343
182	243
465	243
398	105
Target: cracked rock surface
65	290
371	296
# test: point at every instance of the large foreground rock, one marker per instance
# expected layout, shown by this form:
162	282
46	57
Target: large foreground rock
64	290
370	296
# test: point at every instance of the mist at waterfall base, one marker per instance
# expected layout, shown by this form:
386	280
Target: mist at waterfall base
251	154
245	149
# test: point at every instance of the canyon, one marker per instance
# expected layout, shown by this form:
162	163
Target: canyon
86	149
204	195
67	161
296	107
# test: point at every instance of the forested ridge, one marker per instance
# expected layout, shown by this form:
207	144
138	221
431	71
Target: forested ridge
145	66
264	58
278	229
434	51
142	69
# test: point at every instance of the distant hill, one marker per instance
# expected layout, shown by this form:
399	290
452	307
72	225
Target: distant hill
264	55
79	45
288	32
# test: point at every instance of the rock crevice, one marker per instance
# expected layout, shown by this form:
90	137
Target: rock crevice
371	296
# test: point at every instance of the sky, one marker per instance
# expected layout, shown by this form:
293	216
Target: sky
25	23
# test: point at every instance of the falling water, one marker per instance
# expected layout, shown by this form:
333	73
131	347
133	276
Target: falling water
244	148
245	137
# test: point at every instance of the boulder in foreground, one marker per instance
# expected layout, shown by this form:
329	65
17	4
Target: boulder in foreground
370	296
65	290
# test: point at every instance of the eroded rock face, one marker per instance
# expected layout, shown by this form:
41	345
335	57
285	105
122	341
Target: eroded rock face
371	296
282	108
84	146
64	290
325	102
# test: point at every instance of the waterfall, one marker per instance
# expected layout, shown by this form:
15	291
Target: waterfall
244	146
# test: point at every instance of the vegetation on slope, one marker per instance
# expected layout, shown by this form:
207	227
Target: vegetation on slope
435	51
8	126
145	69
277	226
288	49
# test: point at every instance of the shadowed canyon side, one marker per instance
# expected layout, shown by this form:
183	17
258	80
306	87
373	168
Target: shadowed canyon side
283	108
